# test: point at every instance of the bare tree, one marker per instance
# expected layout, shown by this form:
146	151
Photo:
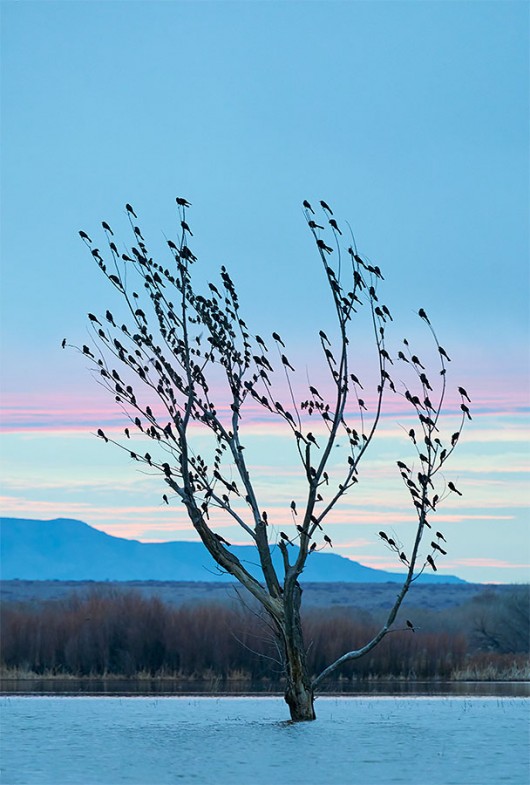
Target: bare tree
177	348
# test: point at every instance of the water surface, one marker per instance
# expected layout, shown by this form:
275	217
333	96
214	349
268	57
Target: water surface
238	741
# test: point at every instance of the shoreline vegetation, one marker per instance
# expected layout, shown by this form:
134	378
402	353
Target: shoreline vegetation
110	635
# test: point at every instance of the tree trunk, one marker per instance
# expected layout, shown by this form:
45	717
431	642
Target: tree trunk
299	694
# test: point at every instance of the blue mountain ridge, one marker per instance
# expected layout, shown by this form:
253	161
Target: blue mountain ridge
70	550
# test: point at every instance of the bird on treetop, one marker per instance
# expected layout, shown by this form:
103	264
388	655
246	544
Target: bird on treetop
308	206
130	210
326	206
182	202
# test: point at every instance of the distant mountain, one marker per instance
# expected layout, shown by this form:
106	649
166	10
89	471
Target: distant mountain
70	550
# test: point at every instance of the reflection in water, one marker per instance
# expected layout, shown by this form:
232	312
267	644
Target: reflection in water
218	687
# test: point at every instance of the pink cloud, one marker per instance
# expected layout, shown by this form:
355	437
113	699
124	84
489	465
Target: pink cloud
484	562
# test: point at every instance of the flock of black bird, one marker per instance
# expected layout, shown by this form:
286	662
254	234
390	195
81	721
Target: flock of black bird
172	364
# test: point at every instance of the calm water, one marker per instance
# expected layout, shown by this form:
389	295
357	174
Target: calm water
238	741
148	687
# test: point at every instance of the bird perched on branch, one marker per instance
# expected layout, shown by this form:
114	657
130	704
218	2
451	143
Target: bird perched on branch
323	247
328	540
452	487
286	362
333	224
466	411
430	561
308	206
326	207
410	625
438	548
130	210
182	202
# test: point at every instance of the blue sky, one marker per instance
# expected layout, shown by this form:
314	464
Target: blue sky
409	118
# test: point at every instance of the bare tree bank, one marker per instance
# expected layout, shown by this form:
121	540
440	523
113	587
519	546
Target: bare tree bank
117	634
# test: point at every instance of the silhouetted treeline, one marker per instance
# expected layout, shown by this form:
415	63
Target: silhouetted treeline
118	633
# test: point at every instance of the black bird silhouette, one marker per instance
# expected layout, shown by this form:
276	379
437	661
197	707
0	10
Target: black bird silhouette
464	394
293	507
454	438
465	410
311	438
107	228
430	561
285	537
425	381
102	435
386	312
412	435
94	319
315	392
313	546
84	236
444	353
383	535
423	315
277	338
327	539
362	404
164	497
438	548
416	360
402	357
333	223
186	227
403	466
308	206
323	247
286	362
130	210
410	625
127	434
182	202
63	343
314	225
440	536
355	380
326	207
403	558
452	487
